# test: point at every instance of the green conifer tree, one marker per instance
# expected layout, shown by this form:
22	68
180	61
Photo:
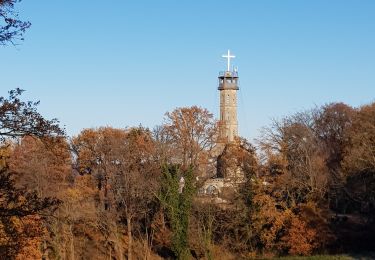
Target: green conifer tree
177	203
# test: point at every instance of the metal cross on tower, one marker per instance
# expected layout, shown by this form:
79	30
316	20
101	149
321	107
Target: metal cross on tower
228	56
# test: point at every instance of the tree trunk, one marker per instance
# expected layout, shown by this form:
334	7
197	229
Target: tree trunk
45	252
71	242
130	244
119	245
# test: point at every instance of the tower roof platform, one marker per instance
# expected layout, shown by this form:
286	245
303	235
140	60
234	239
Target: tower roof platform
228	74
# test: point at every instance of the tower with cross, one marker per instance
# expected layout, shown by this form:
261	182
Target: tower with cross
228	87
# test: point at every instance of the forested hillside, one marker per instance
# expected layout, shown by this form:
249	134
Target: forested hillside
115	194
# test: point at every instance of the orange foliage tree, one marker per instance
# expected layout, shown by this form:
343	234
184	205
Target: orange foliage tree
123	167
20	209
190	134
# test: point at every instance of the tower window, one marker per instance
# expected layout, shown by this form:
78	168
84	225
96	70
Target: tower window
227	100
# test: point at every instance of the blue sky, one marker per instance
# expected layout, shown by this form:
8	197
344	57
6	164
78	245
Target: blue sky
124	63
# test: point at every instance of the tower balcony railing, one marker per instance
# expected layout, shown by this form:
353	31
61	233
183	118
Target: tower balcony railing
228	74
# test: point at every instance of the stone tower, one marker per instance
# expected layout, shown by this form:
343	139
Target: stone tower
228	87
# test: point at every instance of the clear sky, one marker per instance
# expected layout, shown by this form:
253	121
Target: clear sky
124	63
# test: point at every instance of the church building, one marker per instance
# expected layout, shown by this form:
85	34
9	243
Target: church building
228	175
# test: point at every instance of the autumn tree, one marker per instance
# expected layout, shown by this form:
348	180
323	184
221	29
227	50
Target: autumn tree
238	161
93	156
202	229
15	206
135	178
123	166
190	133
19	119
74	232
296	158
39	164
11	28
297	179
93	150
331	125
359	162
20	209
